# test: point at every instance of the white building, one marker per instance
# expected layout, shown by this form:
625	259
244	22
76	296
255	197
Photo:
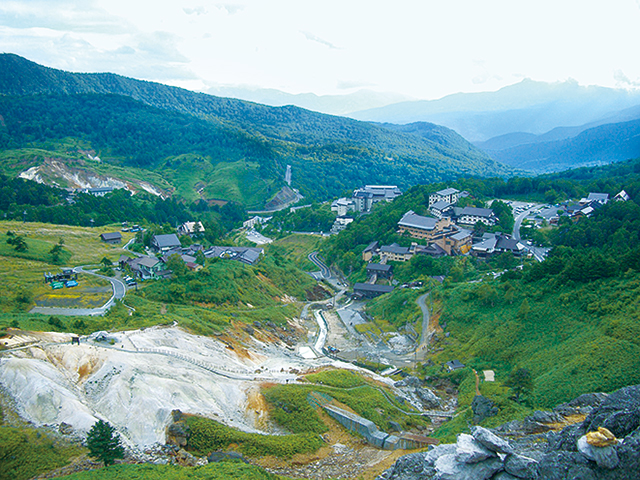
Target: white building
449	195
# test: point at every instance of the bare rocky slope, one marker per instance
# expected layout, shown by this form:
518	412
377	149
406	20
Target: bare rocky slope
605	445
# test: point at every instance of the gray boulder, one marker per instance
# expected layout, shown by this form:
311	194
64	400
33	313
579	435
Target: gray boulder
482	408
567	439
490	440
427	397
449	468
565	465
619	412
503	476
409	381
414	466
605	457
521	467
583	404
440	450
545	417
468	450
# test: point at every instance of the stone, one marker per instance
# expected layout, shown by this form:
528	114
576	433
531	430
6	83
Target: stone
436	452
619	412
427	397
546	417
178	434
521	466
449	468
605	457
185	459
409	381
490	440
503	476
482	408
567	439
565	465
601	438
413	466
468	450
65	429
394	426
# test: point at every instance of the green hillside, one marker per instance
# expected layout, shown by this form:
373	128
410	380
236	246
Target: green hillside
134	123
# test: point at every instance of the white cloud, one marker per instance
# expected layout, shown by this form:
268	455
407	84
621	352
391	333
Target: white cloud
313	38
624	81
200	10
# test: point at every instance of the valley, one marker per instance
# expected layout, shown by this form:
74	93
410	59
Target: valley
233	290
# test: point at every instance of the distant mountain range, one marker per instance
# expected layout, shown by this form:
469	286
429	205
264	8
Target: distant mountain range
527	107
331	104
208	147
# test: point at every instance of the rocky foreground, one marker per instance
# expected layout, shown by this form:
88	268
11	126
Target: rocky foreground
606	445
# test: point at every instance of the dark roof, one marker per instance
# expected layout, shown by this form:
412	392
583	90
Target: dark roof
476	212
149	262
368	287
371	247
598	197
440	205
394	248
167	241
508	243
378	267
412	220
433	250
461	234
447	191
455	364
111	236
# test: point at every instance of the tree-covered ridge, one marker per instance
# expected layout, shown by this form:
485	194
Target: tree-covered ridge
329	154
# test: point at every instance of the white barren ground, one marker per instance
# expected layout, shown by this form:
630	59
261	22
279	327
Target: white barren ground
136	382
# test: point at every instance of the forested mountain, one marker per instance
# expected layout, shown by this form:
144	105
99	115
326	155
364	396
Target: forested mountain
242	148
595	146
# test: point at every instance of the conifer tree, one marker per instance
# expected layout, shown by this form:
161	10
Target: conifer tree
104	442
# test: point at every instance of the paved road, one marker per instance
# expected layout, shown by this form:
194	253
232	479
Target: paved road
314	257
119	291
518	223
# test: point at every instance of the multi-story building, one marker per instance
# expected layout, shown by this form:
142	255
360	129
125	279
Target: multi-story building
425	228
449	195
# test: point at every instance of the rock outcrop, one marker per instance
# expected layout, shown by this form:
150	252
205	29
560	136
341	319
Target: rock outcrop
606	445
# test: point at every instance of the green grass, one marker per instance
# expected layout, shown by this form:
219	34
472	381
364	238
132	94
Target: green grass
238	181
297	248
290	408
26	452
337	378
208	435
213	471
67	151
573	338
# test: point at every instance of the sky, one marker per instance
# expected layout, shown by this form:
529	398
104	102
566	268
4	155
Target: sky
423	49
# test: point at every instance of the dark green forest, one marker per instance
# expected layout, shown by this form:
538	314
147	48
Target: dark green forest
144	124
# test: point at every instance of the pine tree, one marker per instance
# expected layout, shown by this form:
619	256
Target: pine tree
104	442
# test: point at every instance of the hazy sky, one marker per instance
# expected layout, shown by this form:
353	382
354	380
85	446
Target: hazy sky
422	48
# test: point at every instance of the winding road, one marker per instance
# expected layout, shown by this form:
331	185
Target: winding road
119	291
326	273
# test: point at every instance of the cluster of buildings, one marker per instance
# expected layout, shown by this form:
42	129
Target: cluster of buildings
586	206
165	246
361	201
442	204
